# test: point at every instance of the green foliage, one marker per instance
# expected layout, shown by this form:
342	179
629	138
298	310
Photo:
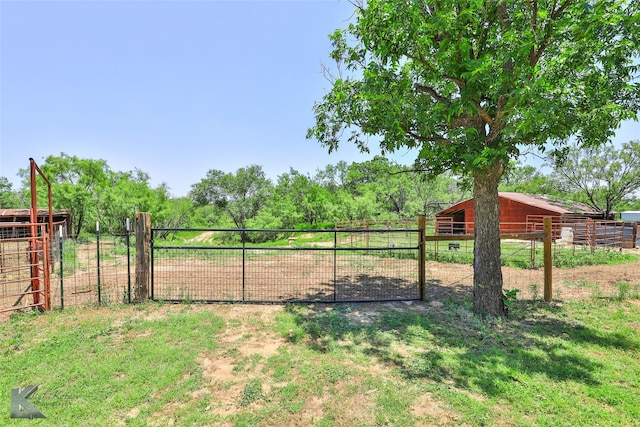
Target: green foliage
529	180
240	195
9	199
518	256
91	192
602	176
510	297
582	256
469	85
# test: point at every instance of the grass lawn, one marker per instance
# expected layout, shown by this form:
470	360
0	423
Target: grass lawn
393	364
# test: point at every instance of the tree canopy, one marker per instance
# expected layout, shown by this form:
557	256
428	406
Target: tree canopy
92	192
604	176
8	197
472	84
241	194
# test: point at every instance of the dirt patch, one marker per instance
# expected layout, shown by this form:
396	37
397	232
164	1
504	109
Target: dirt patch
205	236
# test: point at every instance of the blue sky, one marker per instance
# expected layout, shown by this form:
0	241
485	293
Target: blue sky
174	88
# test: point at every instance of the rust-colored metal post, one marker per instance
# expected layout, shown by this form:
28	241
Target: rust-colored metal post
548	260
33	241
46	271
422	225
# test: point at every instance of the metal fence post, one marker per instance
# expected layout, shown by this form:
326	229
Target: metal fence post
422	225
548	260
128	240
244	264
61	272
98	258
335	265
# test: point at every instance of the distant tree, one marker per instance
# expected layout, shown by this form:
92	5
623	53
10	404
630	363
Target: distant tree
300	199
604	175
178	213
9	198
91	192
128	193
433	194
469	84
240	195
77	185
333	177
529	180
388	181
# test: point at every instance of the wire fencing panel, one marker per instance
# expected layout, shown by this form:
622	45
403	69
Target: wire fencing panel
449	267
24	262
579	270
315	265
96	270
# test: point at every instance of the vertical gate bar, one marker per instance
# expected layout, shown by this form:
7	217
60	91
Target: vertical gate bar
335	265
533	252
46	270
98	258
61	272
128	241
244	260
548	261
151	251
422	221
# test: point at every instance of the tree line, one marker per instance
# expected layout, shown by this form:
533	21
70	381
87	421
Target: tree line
606	178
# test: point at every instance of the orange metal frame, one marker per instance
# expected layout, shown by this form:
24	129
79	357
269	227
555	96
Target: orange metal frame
33	243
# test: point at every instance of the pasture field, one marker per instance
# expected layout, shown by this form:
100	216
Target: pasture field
570	363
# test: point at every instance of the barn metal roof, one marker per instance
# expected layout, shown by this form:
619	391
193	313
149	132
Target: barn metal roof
549	203
27	212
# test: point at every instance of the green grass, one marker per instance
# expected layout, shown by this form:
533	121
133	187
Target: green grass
519	255
564	364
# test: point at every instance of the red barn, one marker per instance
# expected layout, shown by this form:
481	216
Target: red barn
518	213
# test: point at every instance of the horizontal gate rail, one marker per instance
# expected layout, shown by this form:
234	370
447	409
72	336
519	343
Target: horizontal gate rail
357	265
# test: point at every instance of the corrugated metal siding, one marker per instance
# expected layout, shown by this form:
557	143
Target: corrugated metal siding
630	216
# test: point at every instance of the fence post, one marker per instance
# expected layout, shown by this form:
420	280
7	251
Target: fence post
98	261
61	270
422	225
548	260
143	267
128	241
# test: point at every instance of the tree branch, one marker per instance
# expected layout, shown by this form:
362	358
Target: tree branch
431	92
534	56
438	139
485	116
461	84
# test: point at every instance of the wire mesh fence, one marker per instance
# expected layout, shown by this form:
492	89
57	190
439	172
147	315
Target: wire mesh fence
92	271
579	270
24	268
315	265
361	264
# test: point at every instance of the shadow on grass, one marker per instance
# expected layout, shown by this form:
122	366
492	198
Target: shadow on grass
450	344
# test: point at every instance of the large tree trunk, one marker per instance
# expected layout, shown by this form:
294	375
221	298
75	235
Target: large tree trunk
487	271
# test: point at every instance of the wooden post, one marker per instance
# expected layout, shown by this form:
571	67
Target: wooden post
422	221
143	248
548	260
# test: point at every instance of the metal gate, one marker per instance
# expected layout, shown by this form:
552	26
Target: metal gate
24	267
305	266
